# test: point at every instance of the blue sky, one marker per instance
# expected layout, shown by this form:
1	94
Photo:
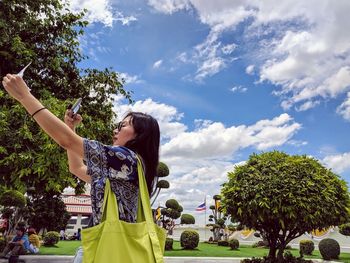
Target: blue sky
226	79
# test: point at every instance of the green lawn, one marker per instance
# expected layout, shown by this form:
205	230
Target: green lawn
203	250
61	248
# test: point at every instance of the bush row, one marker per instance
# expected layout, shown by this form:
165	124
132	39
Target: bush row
329	248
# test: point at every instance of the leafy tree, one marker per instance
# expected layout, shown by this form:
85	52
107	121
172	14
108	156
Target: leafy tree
284	196
187	219
162	171
47	33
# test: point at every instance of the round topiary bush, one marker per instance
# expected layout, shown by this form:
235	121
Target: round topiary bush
329	248
169	244
233	243
306	247
189	239
51	238
345	229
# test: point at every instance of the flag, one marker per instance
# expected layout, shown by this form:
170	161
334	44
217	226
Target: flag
217	204
158	214
201	207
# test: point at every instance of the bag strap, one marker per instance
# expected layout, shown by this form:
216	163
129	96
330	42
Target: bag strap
110	205
146	211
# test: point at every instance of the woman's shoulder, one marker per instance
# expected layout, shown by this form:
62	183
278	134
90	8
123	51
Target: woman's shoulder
118	156
121	152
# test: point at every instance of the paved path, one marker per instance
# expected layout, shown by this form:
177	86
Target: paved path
69	259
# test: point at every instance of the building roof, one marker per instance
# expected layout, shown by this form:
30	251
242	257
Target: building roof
78	204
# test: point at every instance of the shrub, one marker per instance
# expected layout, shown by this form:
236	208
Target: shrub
233	243
306	247
223	243
51	238
345	229
169	243
261	244
189	239
329	248
187	219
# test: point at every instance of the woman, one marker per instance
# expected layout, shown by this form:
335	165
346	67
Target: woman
33	240
138	133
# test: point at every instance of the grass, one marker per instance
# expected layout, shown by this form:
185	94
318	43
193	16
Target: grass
61	248
203	250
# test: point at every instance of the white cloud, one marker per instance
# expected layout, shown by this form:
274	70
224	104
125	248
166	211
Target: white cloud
167	116
215	140
130	79
307	105
157	64
344	108
338	162
100	11
125	20
183	57
250	69
169	6
303	46
228	49
240	89
297	143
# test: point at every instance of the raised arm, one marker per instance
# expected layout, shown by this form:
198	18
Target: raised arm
75	163
52	125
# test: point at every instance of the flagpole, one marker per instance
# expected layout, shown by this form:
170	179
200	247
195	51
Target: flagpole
205	218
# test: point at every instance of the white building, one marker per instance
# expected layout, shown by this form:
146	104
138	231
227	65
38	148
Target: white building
79	207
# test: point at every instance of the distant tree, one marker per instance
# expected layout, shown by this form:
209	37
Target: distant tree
284	196
218	218
13	203
48	213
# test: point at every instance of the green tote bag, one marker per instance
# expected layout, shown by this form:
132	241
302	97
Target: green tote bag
117	241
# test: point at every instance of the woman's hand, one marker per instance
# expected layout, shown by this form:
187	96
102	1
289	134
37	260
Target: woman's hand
15	86
72	121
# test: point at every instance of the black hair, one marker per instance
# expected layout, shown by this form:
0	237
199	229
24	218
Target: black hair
146	144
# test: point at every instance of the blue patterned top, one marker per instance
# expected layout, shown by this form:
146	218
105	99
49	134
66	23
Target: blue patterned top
119	165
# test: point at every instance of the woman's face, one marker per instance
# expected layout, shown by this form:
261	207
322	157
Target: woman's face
124	132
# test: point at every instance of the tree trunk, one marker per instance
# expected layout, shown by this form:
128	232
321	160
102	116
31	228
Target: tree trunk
273	249
280	254
216	234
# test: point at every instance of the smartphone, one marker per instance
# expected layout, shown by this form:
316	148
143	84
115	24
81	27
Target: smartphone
75	108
